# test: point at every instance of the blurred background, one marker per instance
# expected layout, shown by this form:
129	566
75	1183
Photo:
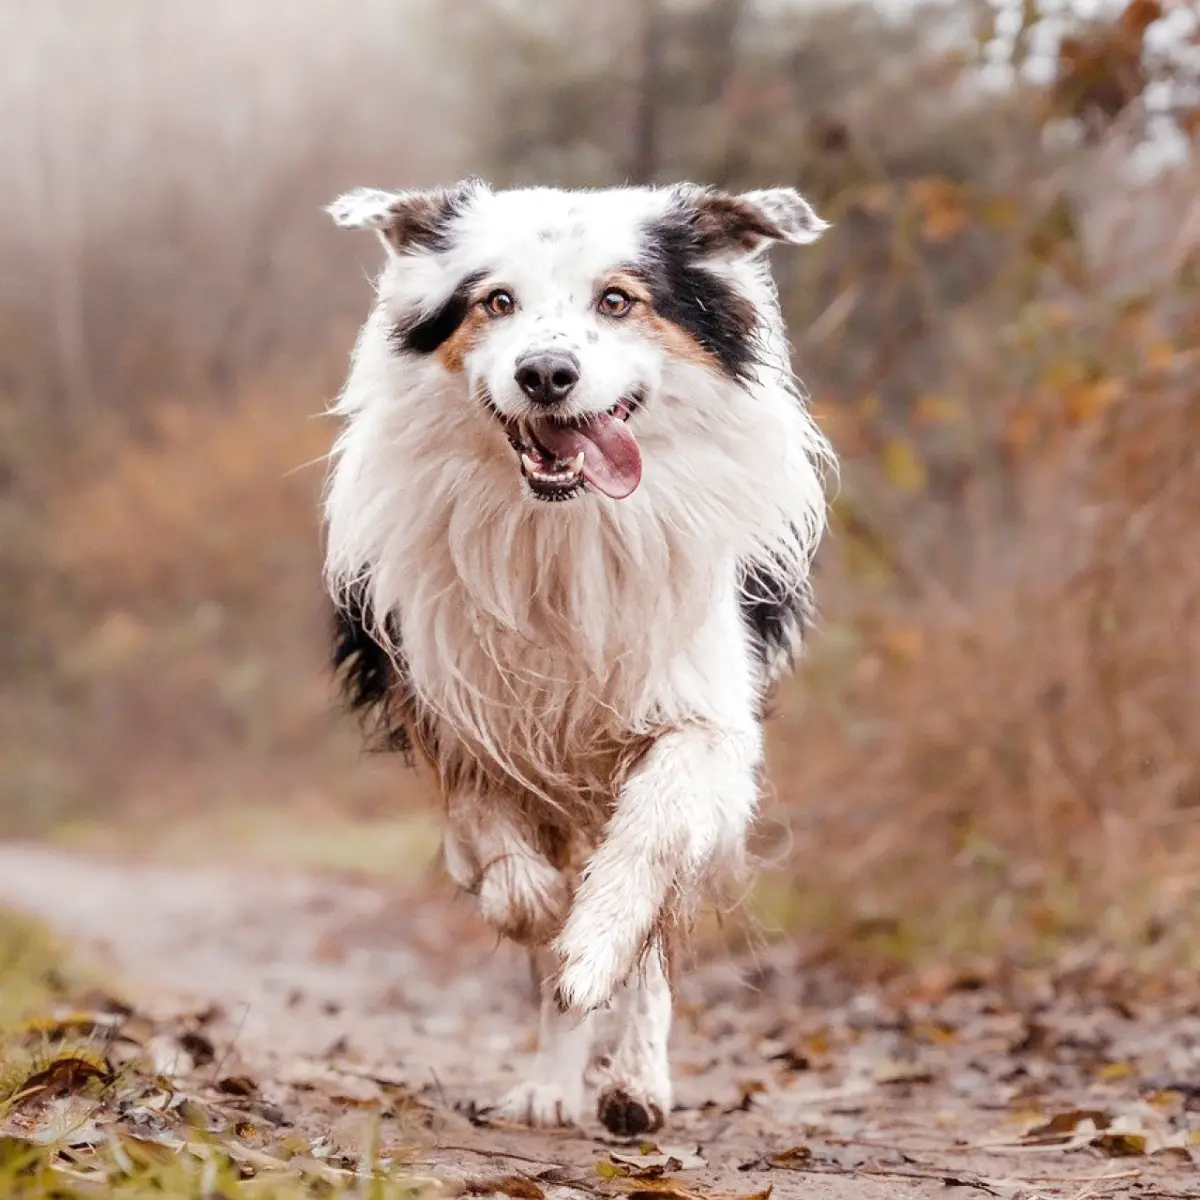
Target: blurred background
993	742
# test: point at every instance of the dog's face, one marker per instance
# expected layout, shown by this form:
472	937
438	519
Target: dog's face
566	314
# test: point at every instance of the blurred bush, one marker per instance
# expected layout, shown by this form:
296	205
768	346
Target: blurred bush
1001	334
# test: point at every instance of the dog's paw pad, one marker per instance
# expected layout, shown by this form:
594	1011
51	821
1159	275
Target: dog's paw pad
541	1105
627	1115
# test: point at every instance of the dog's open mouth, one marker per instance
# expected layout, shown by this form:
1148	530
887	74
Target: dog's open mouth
560	458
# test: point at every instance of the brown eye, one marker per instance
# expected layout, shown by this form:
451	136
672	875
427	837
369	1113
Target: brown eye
615	303
499	303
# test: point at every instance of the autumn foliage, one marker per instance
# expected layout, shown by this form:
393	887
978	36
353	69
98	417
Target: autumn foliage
992	739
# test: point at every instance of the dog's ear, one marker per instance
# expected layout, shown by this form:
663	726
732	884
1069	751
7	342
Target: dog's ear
743	225
405	221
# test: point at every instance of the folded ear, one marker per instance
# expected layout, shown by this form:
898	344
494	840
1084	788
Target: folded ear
404	220
744	225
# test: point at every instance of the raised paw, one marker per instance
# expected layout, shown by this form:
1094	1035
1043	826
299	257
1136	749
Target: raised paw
541	1105
523	897
581	989
592	969
625	1114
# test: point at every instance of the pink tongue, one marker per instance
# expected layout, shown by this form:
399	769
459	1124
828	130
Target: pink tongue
612	462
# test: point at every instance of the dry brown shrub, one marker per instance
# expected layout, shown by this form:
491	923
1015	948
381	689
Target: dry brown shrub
212	502
1016	761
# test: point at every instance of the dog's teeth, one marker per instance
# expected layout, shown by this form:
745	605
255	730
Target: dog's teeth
577	463
529	464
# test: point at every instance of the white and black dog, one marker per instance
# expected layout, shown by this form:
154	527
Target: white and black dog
570	519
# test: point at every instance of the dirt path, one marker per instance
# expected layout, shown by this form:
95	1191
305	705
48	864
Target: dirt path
340	998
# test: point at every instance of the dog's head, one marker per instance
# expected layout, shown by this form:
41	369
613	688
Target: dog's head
569	316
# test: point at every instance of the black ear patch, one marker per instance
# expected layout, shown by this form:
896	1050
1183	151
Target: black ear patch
688	294
374	682
424	334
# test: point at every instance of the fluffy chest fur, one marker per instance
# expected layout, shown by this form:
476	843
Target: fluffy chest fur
536	646
540	647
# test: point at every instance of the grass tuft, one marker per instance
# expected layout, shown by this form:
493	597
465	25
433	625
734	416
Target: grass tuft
84	1114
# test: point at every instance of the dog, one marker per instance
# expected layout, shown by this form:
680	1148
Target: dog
570	518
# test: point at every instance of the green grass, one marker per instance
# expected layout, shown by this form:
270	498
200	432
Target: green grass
58	1076
35	968
28	1174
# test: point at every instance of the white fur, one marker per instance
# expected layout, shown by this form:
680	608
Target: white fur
639	1070
542	640
553	1094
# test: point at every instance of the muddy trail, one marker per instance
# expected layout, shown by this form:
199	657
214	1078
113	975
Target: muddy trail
305	1005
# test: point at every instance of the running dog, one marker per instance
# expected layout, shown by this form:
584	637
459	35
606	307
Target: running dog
570	519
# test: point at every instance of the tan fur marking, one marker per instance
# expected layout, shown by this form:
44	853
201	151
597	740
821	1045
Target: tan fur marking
454	350
675	341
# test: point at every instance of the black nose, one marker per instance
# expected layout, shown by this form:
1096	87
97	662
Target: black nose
547	376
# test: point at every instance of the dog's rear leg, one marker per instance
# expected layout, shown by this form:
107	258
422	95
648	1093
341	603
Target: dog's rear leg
553	1094
688	803
524	897
635	1081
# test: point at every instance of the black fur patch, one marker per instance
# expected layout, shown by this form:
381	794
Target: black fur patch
425	221
375	685
776	609
424	334
689	295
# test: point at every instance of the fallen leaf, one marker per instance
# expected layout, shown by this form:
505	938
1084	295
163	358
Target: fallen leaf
668	1158
237	1085
654	1170
1120	1145
610	1170
554	1175
898	1072
1074	1120
656	1189
1177	1153
65	1069
795	1156
792	1059
517	1186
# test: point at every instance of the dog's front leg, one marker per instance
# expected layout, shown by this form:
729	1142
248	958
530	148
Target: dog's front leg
635	1079
552	1094
690	800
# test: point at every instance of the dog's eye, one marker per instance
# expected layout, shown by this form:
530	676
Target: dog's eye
499	303
615	303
